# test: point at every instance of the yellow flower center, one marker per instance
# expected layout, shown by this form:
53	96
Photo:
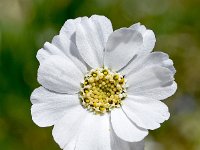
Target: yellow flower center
102	90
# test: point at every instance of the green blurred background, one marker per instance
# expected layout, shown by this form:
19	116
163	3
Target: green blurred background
26	24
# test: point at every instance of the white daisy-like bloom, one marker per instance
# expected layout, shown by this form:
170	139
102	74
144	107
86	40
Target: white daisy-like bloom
102	90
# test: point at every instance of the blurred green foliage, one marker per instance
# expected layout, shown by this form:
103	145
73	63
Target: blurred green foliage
26	24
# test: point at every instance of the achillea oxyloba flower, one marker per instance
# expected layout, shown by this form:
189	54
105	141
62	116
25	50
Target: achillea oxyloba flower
102	89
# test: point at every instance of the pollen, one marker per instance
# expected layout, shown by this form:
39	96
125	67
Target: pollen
102	90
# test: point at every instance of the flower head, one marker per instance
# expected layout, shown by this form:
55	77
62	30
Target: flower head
102	89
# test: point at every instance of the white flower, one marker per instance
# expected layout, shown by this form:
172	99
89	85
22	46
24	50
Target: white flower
102	89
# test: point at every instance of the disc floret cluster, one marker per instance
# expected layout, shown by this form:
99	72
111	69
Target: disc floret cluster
102	90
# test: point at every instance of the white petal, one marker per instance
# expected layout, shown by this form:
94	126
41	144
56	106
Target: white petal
60	74
68	32
91	38
145	112
70	50
83	130
148	36
48	50
124	128
159	93
159	59
42	95
150	60
95	133
153	82
67	129
103	26
119	144
64	45
122	46
48	107
69	28
42	54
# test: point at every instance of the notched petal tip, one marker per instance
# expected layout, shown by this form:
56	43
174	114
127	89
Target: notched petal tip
149	38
